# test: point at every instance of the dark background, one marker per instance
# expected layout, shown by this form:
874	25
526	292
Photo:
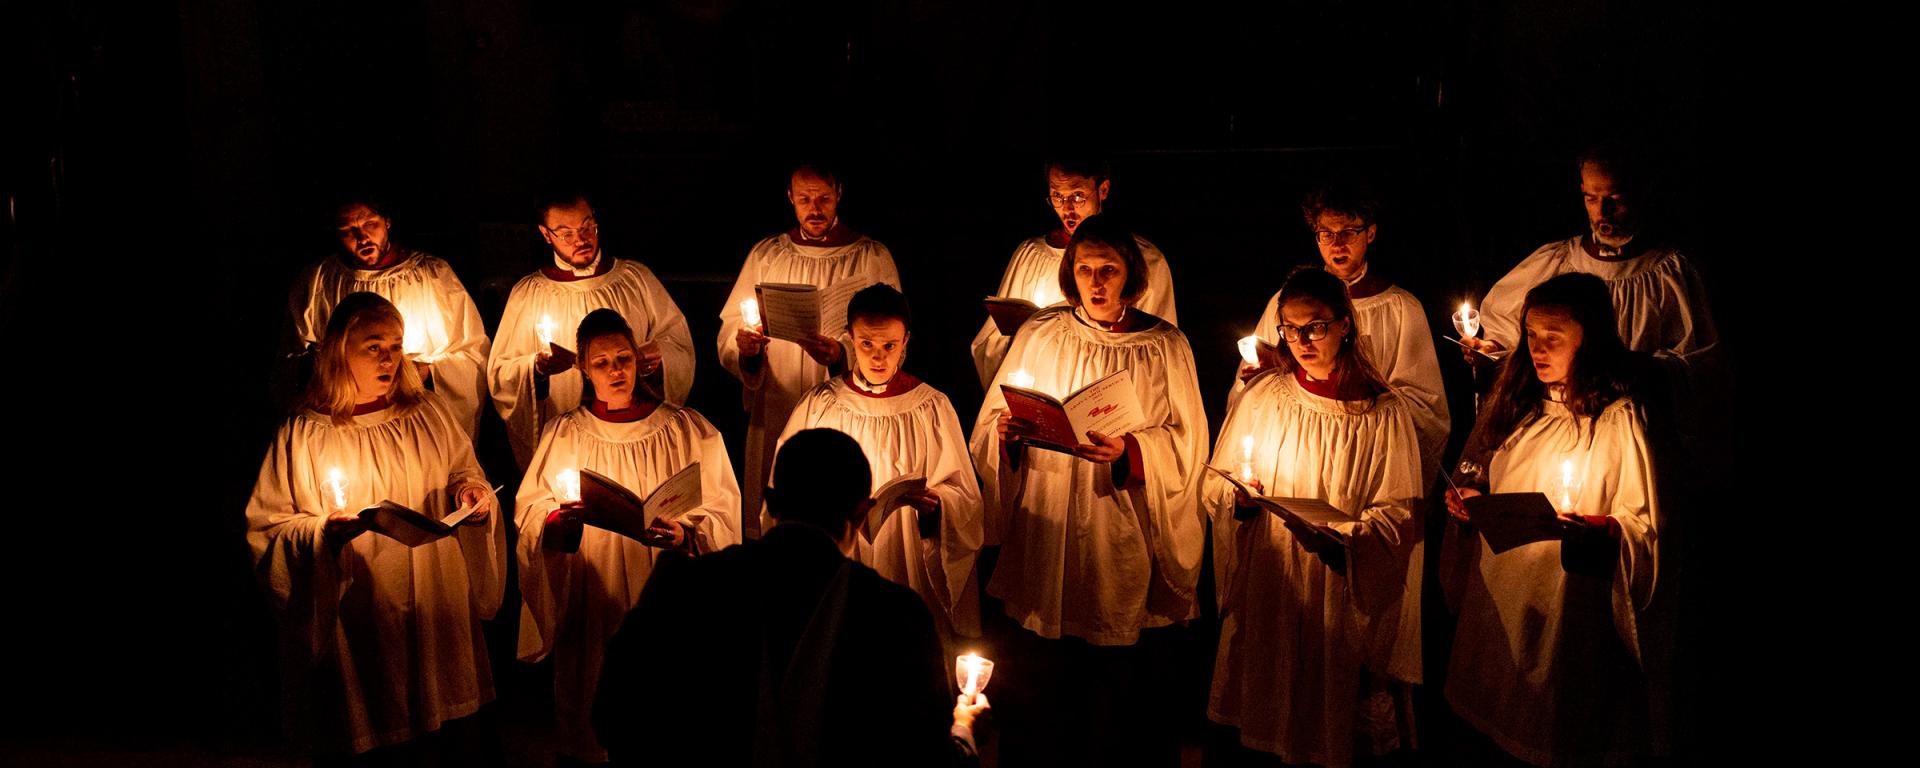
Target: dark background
167	167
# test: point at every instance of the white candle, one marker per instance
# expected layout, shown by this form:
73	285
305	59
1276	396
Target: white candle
750	312
1043	295
1466	321
1250	350
1246	459
545	328
1568	487
974	671
567	485
337	483
1020	378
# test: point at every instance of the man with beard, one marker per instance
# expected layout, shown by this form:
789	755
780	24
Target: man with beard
445	338
532	374
1077	189
820	251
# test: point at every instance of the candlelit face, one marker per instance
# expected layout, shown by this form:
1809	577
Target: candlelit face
1553	336
878	346
1074	198
573	233
816	202
1343	243
1608	212
613	366
375	350
1300	321
364	233
1100	272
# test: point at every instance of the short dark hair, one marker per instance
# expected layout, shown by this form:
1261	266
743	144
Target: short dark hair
1111	232
341	200
559	196
598	323
820	169
819	478
880	302
1090	166
1619	161
1349	198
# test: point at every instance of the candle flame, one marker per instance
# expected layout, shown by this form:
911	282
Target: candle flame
1246	448
567	483
1042	296
972	663
414	338
545	329
337	482
1020	378
1566	485
750	312
1250	350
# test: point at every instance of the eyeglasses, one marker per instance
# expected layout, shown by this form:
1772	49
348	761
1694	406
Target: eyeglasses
1314	331
1326	236
1058	200
571	235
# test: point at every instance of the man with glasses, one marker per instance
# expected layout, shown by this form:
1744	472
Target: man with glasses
532	369
821	251
445	338
1077	189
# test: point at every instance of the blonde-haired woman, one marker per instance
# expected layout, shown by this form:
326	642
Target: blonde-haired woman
380	642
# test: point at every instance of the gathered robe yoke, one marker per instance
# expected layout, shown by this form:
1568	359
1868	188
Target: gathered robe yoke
1035	266
1539	653
443	328
770	390
1294	634
1080	556
629	288
1658	296
574	602
913	431
380	643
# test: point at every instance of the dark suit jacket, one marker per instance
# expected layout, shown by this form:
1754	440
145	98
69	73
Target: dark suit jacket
777	652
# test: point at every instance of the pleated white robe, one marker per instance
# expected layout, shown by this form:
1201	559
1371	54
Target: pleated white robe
628	288
1658	295
379	643
1530	664
1034	274
1294	635
574	602
916	431
1078	556
443	327
770	392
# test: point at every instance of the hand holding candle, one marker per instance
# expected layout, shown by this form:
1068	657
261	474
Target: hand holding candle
566	485
1250	350
337	489
545	329
750	313
972	671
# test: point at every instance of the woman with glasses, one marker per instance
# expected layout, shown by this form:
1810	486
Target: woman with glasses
1554	636
380	641
1310	662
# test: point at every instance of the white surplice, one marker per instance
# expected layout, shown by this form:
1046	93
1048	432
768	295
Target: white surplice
629	288
769	392
1294	635
1033	274
1078	556
1546	662
443	327
574	602
379	643
914	431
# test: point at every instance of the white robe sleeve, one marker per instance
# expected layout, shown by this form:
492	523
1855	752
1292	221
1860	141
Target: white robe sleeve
483	547
716	522
1158	299
545	578
950	569
1173	454
460	370
752	378
300	570
989	346
669	330
513	382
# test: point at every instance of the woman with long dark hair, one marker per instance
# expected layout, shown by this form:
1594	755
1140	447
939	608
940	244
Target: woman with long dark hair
1548	657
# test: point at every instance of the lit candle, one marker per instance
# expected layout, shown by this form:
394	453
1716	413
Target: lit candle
545	329
1568	486
567	485
1246	459
1467	320
1250	350
414	338
750	312
1043	295
337	484
973	672
1020	378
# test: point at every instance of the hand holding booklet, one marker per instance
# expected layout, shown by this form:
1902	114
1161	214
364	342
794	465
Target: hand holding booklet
610	506
1313	513
887	499
797	311
1108	406
412	528
1509	520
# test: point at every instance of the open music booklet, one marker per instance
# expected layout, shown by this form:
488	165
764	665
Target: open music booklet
1108	406
612	507
796	311
411	527
1314	513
